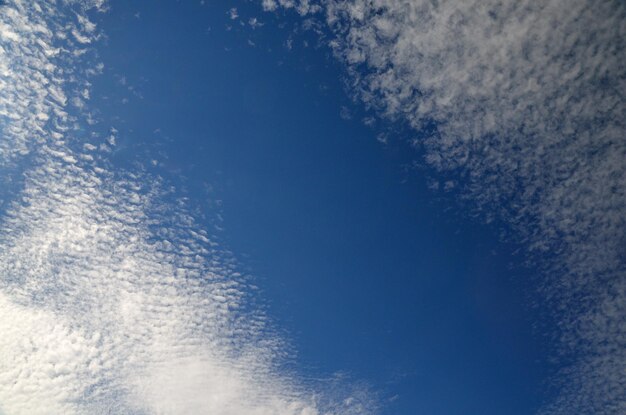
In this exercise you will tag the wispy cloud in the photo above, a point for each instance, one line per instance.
(529, 102)
(112, 298)
(233, 14)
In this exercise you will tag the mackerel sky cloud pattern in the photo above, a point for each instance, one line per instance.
(112, 298)
(528, 99)
(528, 102)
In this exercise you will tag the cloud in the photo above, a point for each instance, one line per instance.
(113, 299)
(104, 305)
(528, 100)
(303, 7)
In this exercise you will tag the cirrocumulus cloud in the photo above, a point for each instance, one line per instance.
(527, 100)
(113, 299)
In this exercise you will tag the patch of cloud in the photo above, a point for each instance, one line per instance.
(113, 299)
(528, 99)
(345, 113)
(104, 308)
(233, 14)
(303, 7)
(37, 63)
(254, 22)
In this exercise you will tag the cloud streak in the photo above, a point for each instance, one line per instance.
(528, 100)
(112, 298)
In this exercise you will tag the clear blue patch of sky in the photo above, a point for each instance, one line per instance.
(366, 269)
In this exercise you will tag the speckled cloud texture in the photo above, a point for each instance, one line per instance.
(528, 100)
(112, 299)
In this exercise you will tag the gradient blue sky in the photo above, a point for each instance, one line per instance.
(368, 271)
(325, 207)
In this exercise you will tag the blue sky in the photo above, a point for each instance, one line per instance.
(244, 192)
(356, 258)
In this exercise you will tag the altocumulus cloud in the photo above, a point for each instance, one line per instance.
(113, 300)
(528, 100)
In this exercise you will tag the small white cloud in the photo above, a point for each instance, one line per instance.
(345, 113)
(254, 23)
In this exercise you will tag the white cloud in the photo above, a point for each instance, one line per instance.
(528, 99)
(113, 300)
(103, 305)
(32, 82)
(303, 7)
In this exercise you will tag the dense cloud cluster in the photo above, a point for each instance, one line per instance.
(528, 101)
(112, 298)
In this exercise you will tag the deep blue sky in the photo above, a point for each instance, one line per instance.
(365, 269)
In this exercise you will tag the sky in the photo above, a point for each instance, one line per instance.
(312, 207)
